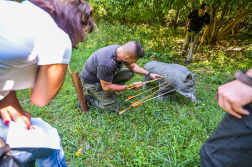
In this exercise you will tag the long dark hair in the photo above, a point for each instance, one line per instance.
(72, 16)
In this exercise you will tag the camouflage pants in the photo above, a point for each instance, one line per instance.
(194, 44)
(107, 100)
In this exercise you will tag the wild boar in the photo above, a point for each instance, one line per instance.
(179, 76)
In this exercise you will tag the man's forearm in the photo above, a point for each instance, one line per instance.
(139, 70)
(115, 88)
(187, 21)
(110, 87)
(205, 31)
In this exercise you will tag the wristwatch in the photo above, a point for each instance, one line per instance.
(148, 73)
(243, 77)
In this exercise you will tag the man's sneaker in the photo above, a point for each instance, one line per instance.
(188, 62)
(183, 54)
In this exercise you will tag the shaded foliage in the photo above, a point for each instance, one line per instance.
(227, 17)
(127, 12)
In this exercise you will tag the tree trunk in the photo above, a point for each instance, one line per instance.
(176, 18)
(236, 20)
(233, 20)
(212, 28)
(214, 12)
(250, 29)
(241, 26)
(225, 11)
(188, 9)
(223, 26)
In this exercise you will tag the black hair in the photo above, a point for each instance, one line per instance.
(203, 6)
(139, 50)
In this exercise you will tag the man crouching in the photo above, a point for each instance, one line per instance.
(103, 73)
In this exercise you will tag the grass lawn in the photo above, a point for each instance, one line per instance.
(157, 133)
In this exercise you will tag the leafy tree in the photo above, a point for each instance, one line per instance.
(127, 12)
(228, 18)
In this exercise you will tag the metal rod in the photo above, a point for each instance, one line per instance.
(133, 86)
(142, 100)
(153, 93)
(120, 112)
(155, 97)
(132, 97)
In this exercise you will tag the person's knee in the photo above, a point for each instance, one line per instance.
(123, 76)
(186, 44)
(131, 75)
(114, 107)
(127, 75)
(202, 155)
(205, 161)
(202, 151)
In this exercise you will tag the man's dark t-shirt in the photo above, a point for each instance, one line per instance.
(102, 64)
(196, 22)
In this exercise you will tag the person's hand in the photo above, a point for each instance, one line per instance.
(10, 109)
(21, 117)
(233, 95)
(202, 39)
(185, 30)
(138, 85)
(155, 76)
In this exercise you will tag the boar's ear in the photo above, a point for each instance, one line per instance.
(187, 77)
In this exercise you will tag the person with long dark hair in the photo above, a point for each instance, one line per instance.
(36, 41)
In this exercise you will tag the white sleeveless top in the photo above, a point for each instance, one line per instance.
(29, 37)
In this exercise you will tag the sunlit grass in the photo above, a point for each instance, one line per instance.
(157, 133)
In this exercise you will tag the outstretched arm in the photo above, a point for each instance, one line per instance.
(109, 87)
(205, 31)
(135, 68)
(234, 95)
(187, 22)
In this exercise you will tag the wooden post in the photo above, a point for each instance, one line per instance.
(79, 90)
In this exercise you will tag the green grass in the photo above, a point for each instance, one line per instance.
(157, 133)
